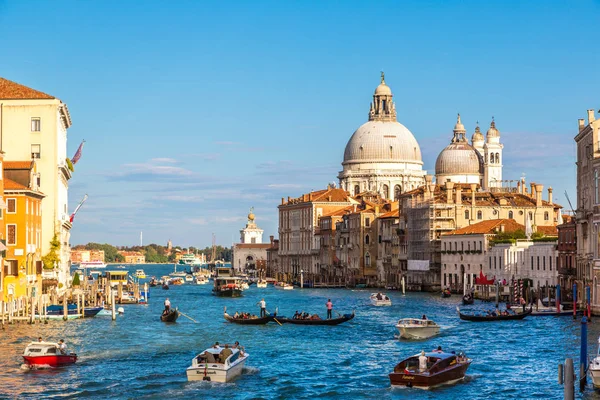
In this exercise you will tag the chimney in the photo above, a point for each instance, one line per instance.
(449, 187)
(310, 196)
(288, 199)
(355, 208)
(473, 189)
(501, 227)
(458, 194)
(538, 195)
(271, 239)
(550, 195)
(581, 123)
(428, 179)
(532, 194)
(591, 117)
(282, 200)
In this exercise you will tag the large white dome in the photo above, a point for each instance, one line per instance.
(379, 141)
(459, 158)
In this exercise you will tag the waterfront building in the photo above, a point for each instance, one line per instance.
(567, 252)
(299, 246)
(23, 223)
(333, 271)
(81, 255)
(272, 267)
(588, 208)
(34, 126)
(251, 252)
(390, 237)
(476, 249)
(133, 257)
(382, 155)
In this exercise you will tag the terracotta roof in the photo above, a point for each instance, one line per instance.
(326, 195)
(12, 185)
(488, 227)
(11, 90)
(390, 214)
(252, 245)
(338, 212)
(18, 164)
(547, 230)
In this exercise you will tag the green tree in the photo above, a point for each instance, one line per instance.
(51, 259)
(76, 281)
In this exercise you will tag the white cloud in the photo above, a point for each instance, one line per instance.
(164, 160)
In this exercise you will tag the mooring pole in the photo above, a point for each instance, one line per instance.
(583, 355)
(558, 298)
(588, 296)
(569, 393)
(574, 300)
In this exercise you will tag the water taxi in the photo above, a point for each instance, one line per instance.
(189, 278)
(261, 284)
(428, 370)
(225, 284)
(201, 280)
(217, 364)
(594, 368)
(140, 274)
(413, 328)
(46, 353)
(380, 299)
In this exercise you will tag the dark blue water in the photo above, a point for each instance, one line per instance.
(139, 357)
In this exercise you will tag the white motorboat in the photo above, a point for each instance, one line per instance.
(244, 285)
(140, 274)
(413, 328)
(261, 284)
(209, 366)
(594, 368)
(380, 299)
(189, 278)
(201, 280)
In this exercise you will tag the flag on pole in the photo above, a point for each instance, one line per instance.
(77, 155)
(72, 217)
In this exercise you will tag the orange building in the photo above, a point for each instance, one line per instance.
(133, 257)
(23, 230)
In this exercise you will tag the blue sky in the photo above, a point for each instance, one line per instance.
(193, 111)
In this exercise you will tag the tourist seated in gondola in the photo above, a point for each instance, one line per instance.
(296, 315)
(315, 316)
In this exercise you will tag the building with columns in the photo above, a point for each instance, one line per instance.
(382, 155)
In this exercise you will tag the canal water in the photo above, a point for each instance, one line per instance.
(138, 357)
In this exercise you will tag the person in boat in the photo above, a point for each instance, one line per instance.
(225, 353)
(523, 303)
(62, 347)
(236, 315)
(315, 316)
(40, 339)
(167, 305)
(236, 345)
(439, 349)
(216, 345)
(424, 317)
(329, 305)
(207, 357)
(296, 315)
(378, 296)
(422, 361)
(263, 308)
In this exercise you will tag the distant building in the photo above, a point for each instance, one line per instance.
(34, 125)
(133, 257)
(567, 253)
(79, 256)
(272, 266)
(251, 253)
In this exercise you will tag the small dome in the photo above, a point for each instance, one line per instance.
(251, 217)
(376, 141)
(477, 136)
(383, 90)
(493, 132)
(459, 127)
(459, 158)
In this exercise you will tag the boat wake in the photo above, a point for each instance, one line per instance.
(28, 367)
(251, 370)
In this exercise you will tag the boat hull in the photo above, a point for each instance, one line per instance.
(228, 293)
(51, 360)
(426, 381)
(249, 321)
(333, 321)
(595, 374)
(381, 303)
(417, 333)
(170, 317)
(215, 372)
(482, 318)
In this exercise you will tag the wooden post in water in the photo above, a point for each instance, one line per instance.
(65, 307)
(78, 305)
(112, 301)
(32, 320)
(569, 392)
(146, 295)
(120, 292)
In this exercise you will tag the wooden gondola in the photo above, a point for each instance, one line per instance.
(250, 321)
(170, 317)
(333, 321)
(468, 300)
(487, 318)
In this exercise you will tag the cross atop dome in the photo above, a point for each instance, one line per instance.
(382, 107)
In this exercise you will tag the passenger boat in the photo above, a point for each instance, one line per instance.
(171, 316)
(208, 365)
(261, 284)
(189, 278)
(380, 299)
(488, 317)
(140, 274)
(594, 368)
(319, 321)
(92, 264)
(225, 284)
(253, 320)
(47, 353)
(413, 328)
(440, 369)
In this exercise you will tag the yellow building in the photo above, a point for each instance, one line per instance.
(34, 125)
(133, 257)
(23, 227)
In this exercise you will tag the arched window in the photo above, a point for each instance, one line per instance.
(479, 215)
(367, 239)
(367, 260)
(546, 216)
(492, 158)
(397, 192)
(510, 215)
(356, 189)
(497, 158)
(466, 214)
(386, 192)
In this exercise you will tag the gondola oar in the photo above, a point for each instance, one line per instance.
(187, 316)
(275, 319)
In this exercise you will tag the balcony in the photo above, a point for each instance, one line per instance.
(566, 271)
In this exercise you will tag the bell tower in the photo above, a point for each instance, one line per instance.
(382, 107)
(492, 150)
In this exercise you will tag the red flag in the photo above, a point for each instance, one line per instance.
(77, 155)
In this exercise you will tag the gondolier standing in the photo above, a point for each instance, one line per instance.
(167, 305)
(263, 308)
(329, 305)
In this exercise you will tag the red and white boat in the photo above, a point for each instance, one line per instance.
(47, 353)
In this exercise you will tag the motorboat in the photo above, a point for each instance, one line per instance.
(180, 273)
(153, 282)
(140, 274)
(244, 285)
(380, 299)
(56, 312)
(284, 286)
(225, 284)
(170, 316)
(428, 370)
(177, 281)
(210, 366)
(189, 278)
(594, 368)
(47, 353)
(542, 310)
(496, 315)
(261, 284)
(201, 280)
(414, 328)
